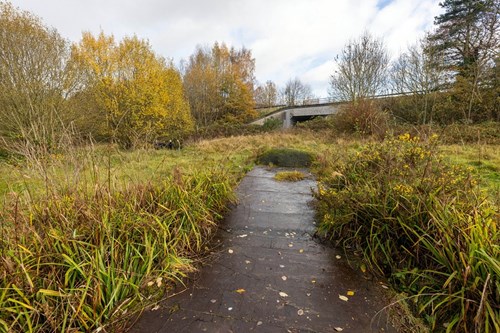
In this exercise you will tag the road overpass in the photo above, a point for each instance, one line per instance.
(290, 115)
(311, 108)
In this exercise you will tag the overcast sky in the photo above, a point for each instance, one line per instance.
(288, 38)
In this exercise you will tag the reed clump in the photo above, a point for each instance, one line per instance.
(424, 224)
(79, 261)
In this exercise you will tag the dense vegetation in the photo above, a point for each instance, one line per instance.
(421, 222)
(92, 232)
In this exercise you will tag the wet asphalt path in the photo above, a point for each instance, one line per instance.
(270, 275)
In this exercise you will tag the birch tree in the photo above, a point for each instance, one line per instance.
(361, 69)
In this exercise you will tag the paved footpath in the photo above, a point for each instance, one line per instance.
(270, 275)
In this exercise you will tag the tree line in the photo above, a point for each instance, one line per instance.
(121, 90)
(452, 74)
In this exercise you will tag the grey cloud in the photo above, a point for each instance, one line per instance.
(288, 38)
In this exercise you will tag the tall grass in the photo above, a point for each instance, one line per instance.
(79, 258)
(424, 224)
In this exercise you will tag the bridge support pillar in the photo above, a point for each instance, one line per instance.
(287, 122)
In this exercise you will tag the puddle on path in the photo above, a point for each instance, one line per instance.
(270, 275)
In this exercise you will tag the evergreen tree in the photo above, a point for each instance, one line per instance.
(467, 37)
(467, 33)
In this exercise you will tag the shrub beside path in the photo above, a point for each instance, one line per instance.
(269, 275)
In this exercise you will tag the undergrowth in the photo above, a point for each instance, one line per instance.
(422, 223)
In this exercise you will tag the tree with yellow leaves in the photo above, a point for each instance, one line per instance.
(138, 95)
(218, 83)
(35, 81)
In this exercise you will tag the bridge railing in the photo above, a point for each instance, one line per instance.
(331, 100)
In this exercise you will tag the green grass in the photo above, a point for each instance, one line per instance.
(484, 159)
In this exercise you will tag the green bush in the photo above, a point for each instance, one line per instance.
(272, 124)
(285, 157)
(424, 225)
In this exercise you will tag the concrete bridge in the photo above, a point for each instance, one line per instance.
(290, 115)
(311, 108)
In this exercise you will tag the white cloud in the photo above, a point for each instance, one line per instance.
(288, 38)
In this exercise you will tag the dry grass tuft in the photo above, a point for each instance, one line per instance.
(289, 176)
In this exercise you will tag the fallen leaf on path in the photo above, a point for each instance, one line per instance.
(338, 329)
(213, 301)
(259, 323)
(344, 298)
(338, 257)
(240, 291)
(283, 278)
(313, 281)
(301, 250)
(247, 262)
(350, 293)
(282, 294)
